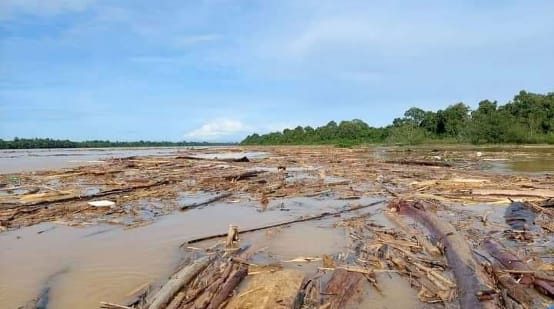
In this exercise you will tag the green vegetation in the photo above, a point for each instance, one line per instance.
(528, 118)
(28, 143)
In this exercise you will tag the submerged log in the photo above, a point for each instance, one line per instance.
(470, 278)
(343, 286)
(177, 281)
(510, 261)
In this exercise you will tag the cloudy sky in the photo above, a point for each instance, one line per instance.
(220, 69)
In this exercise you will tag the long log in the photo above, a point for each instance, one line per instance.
(470, 278)
(177, 281)
(419, 162)
(208, 201)
(315, 217)
(241, 159)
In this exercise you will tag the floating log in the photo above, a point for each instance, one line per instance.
(243, 176)
(342, 287)
(320, 216)
(208, 201)
(513, 289)
(241, 159)
(538, 193)
(420, 162)
(470, 278)
(510, 261)
(177, 281)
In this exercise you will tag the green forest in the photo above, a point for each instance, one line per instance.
(29, 143)
(527, 118)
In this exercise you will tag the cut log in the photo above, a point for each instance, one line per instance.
(232, 236)
(269, 290)
(471, 279)
(177, 281)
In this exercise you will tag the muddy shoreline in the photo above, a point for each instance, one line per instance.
(335, 227)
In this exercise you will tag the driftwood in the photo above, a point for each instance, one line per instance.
(512, 288)
(102, 193)
(316, 217)
(510, 261)
(208, 201)
(177, 281)
(470, 277)
(539, 193)
(420, 162)
(241, 159)
(243, 176)
(229, 286)
(342, 287)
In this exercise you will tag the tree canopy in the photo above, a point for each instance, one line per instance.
(527, 118)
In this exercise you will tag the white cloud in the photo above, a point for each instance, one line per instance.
(218, 130)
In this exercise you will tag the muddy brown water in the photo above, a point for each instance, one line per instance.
(79, 267)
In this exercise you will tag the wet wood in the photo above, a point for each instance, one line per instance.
(470, 277)
(229, 286)
(309, 218)
(419, 162)
(343, 287)
(214, 199)
(176, 282)
(508, 259)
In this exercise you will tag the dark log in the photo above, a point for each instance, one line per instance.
(343, 286)
(513, 289)
(508, 259)
(512, 262)
(243, 176)
(471, 279)
(420, 162)
(229, 286)
(208, 201)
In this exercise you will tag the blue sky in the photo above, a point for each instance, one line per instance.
(218, 70)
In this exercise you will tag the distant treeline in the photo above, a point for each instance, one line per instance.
(28, 143)
(528, 118)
